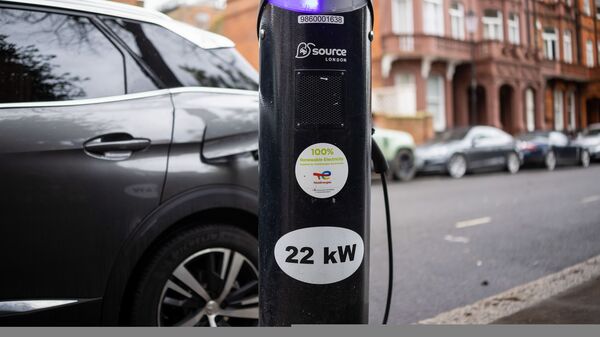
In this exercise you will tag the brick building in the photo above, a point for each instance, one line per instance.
(537, 63)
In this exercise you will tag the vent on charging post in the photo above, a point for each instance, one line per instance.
(319, 99)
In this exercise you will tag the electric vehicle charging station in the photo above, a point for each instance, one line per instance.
(314, 161)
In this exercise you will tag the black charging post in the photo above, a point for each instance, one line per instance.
(315, 153)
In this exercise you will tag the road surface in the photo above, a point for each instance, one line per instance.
(459, 241)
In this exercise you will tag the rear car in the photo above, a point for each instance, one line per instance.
(398, 148)
(129, 174)
(590, 140)
(468, 149)
(550, 149)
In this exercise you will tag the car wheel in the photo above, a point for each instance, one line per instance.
(204, 276)
(403, 166)
(513, 163)
(550, 161)
(457, 166)
(585, 158)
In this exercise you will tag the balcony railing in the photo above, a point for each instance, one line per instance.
(554, 68)
(410, 46)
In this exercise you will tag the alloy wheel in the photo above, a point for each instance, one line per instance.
(457, 167)
(585, 159)
(550, 161)
(513, 163)
(214, 287)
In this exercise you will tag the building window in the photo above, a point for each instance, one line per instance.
(571, 110)
(514, 35)
(402, 16)
(529, 110)
(586, 7)
(457, 20)
(436, 104)
(492, 25)
(589, 53)
(407, 94)
(598, 52)
(559, 118)
(568, 46)
(598, 9)
(550, 43)
(433, 17)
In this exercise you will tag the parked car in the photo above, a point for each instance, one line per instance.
(398, 148)
(460, 150)
(552, 148)
(129, 175)
(590, 139)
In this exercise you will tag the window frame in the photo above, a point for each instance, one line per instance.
(551, 39)
(589, 54)
(568, 46)
(439, 117)
(397, 20)
(457, 15)
(558, 107)
(439, 28)
(514, 24)
(495, 22)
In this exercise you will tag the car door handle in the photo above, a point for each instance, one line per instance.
(115, 146)
(133, 145)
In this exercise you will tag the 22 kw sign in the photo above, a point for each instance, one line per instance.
(320, 255)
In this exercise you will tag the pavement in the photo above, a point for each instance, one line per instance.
(580, 305)
(462, 242)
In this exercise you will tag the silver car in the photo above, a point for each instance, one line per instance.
(129, 169)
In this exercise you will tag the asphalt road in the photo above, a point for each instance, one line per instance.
(459, 241)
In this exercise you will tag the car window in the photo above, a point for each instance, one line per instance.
(451, 135)
(534, 136)
(138, 80)
(179, 62)
(55, 57)
(592, 132)
(558, 139)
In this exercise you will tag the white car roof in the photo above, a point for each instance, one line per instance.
(200, 37)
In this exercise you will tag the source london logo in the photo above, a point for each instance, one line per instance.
(322, 177)
(306, 49)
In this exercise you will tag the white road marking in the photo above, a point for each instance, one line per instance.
(521, 297)
(473, 222)
(590, 199)
(456, 239)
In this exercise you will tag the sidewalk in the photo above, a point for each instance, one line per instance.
(580, 305)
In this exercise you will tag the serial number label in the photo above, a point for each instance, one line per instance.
(331, 19)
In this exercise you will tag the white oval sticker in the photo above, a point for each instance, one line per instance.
(322, 170)
(320, 255)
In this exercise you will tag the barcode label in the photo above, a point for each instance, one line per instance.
(330, 19)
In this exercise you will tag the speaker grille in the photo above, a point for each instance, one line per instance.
(319, 99)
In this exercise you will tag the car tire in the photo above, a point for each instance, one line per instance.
(585, 159)
(457, 166)
(203, 276)
(513, 163)
(550, 160)
(403, 166)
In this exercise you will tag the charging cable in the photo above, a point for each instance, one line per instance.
(380, 166)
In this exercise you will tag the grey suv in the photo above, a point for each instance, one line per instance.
(128, 169)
